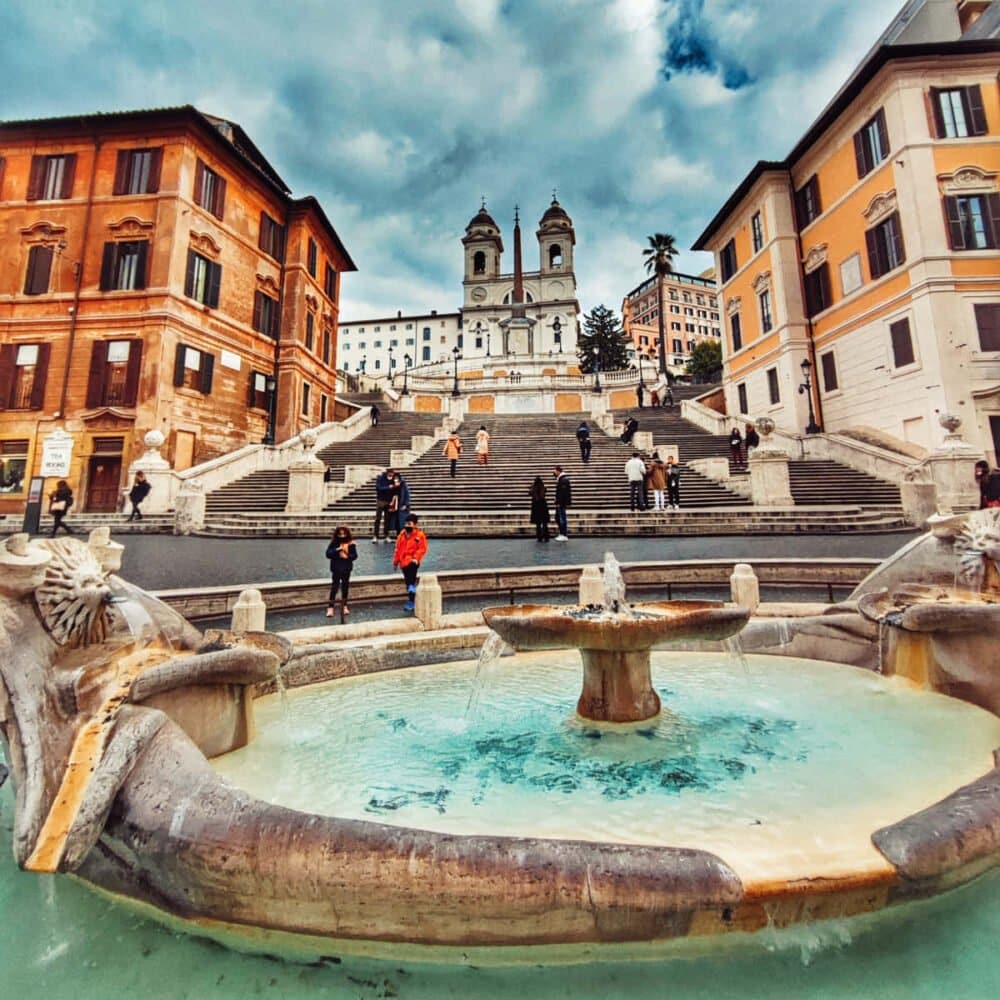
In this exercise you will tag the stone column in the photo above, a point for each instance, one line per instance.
(306, 490)
(952, 469)
(428, 602)
(591, 586)
(189, 514)
(161, 478)
(769, 482)
(745, 587)
(249, 612)
(108, 553)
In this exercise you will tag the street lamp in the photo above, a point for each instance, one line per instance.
(392, 365)
(456, 354)
(642, 382)
(597, 369)
(557, 334)
(806, 387)
(406, 369)
(271, 386)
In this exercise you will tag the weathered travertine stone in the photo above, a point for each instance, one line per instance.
(428, 601)
(744, 587)
(249, 612)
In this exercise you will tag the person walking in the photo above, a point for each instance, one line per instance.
(383, 499)
(375, 414)
(483, 446)
(540, 509)
(640, 394)
(583, 438)
(635, 473)
(564, 500)
(411, 547)
(138, 493)
(341, 552)
(60, 501)
(451, 450)
(736, 446)
(673, 483)
(657, 482)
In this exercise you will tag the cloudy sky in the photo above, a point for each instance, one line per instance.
(398, 115)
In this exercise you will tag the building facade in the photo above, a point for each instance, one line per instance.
(388, 345)
(156, 275)
(691, 307)
(867, 264)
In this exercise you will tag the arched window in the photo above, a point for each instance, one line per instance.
(555, 255)
(479, 262)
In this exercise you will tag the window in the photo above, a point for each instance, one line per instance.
(13, 463)
(209, 190)
(555, 255)
(36, 278)
(272, 237)
(479, 262)
(203, 280)
(425, 354)
(427, 333)
(312, 253)
(958, 112)
(330, 282)
(677, 346)
(756, 232)
(324, 406)
(737, 330)
(306, 399)
(23, 370)
(326, 347)
(260, 398)
(265, 315)
(902, 343)
(766, 319)
(193, 369)
(828, 366)
(741, 397)
(973, 221)
(871, 144)
(773, 391)
(124, 266)
(114, 373)
(885, 246)
(818, 296)
(727, 260)
(310, 323)
(807, 202)
(51, 177)
(988, 325)
(138, 171)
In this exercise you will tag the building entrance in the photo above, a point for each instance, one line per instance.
(104, 483)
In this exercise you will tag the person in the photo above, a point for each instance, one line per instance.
(399, 505)
(635, 472)
(138, 493)
(631, 426)
(640, 394)
(992, 493)
(540, 509)
(411, 547)
(341, 552)
(654, 398)
(982, 476)
(583, 437)
(564, 499)
(60, 501)
(657, 481)
(451, 450)
(751, 439)
(673, 483)
(736, 446)
(483, 445)
(383, 498)
(375, 414)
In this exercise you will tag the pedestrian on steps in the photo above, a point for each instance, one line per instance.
(564, 500)
(657, 481)
(635, 472)
(583, 438)
(383, 500)
(483, 446)
(452, 449)
(736, 446)
(673, 483)
(341, 552)
(60, 501)
(631, 426)
(640, 394)
(540, 509)
(411, 547)
(751, 439)
(138, 493)
(375, 414)
(399, 505)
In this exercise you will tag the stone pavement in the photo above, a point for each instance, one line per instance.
(164, 562)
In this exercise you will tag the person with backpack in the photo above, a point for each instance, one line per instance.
(583, 438)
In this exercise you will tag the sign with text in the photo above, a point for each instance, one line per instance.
(57, 451)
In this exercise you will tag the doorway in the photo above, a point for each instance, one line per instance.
(104, 483)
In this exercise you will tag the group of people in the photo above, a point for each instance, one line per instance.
(660, 395)
(652, 483)
(61, 499)
(540, 516)
(453, 449)
(392, 504)
(740, 445)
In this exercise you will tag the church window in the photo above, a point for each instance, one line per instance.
(555, 255)
(479, 262)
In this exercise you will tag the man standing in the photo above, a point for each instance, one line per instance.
(564, 499)
(411, 547)
(635, 473)
(583, 437)
(383, 500)
(673, 483)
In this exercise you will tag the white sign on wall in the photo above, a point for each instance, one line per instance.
(57, 451)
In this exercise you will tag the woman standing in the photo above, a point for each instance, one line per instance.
(540, 510)
(341, 552)
(658, 482)
(483, 446)
(138, 493)
(736, 446)
(60, 501)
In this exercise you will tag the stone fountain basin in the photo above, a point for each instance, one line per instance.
(922, 608)
(539, 627)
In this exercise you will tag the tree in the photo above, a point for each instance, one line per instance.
(659, 260)
(602, 329)
(705, 361)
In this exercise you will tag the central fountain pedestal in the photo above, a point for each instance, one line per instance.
(617, 687)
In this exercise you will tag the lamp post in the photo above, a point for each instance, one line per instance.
(597, 369)
(812, 427)
(407, 361)
(271, 386)
(557, 334)
(642, 381)
(392, 365)
(456, 354)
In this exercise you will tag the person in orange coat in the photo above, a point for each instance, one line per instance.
(452, 449)
(411, 547)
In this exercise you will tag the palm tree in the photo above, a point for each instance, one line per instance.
(659, 260)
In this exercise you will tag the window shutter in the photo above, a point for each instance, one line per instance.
(98, 373)
(142, 264)
(973, 99)
(155, 169)
(207, 368)
(883, 133)
(69, 172)
(36, 280)
(987, 323)
(873, 261)
(199, 181)
(859, 154)
(936, 116)
(251, 394)
(895, 233)
(214, 284)
(953, 222)
(8, 358)
(121, 171)
(108, 266)
(41, 373)
(993, 201)
(36, 178)
(189, 276)
(220, 198)
(262, 236)
(132, 372)
(179, 364)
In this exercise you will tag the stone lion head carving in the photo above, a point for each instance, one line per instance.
(73, 596)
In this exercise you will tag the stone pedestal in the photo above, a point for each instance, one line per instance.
(919, 501)
(745, 587)
(108, 553)
(617, 686)
(769, 482)
(306, 489)
(643, 441)
(189, 514)
(428, 602)
(249, 612)
(591, 586)
(161, 478)
(952, 469)
(598, 406)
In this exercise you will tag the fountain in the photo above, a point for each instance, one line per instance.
(111, 705)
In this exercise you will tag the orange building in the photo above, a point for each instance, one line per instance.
(873, 251)
(156, 274)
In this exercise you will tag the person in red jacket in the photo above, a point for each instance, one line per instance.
(411, 547)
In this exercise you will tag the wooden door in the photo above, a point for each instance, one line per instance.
(104, 483)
